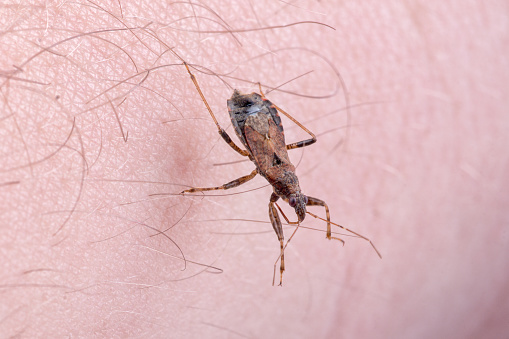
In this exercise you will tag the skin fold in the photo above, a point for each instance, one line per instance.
(102, 127)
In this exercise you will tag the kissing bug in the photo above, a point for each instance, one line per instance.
(258, 126)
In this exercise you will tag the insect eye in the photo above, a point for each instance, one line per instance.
(292, 201)
(305, 200)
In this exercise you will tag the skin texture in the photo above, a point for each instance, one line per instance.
(421, 170)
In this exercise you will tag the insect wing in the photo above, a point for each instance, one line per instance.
(237, 122)
(268, 150)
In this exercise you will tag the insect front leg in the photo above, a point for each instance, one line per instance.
(220, 130)
(317, 202)
(231, 184)
(278, 228)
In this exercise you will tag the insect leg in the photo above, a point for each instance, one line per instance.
(276, 224)
(346, 229)
(317, 202)
(302, 143)
(298, 144)
(221, 131)
(231, 184)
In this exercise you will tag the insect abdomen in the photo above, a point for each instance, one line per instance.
(241, 106)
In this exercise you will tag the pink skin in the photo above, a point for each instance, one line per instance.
(424, 173)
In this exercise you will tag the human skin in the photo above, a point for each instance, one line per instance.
(420, 167)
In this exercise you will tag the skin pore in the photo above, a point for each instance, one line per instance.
(100, 124)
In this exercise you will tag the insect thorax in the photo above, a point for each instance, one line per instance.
(285, 183)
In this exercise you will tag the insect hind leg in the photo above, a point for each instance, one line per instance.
(302, 143)
(298, 144)
(220, 130)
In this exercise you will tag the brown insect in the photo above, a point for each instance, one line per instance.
(259, 128)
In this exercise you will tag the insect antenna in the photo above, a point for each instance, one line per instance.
(348, 230)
